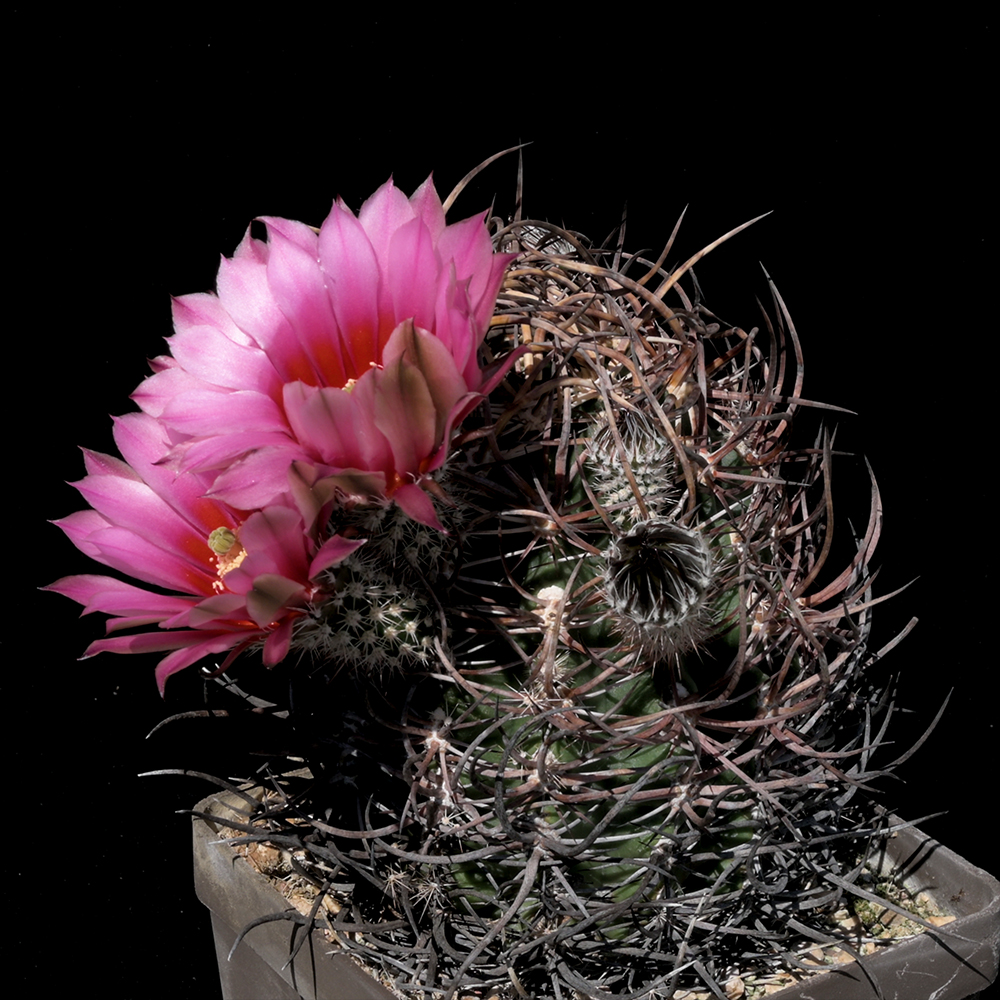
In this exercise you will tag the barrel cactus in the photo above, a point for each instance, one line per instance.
(546, 590)
(604, 735)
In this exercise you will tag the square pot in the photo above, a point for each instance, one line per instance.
(952, 962)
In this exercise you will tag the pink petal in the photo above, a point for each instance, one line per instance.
(98, 464)
(245, 294)
(219, 411)
(257, 479)
(299, 288)
(157, 391)
(381, 215)
(334, 551)
(338, 427)
(415, 271)
(272, 594)
(422, 350)
(468, 245)
(136, 555)
(405, 414)
(105, 593)
(185, 657)
(144, 642)
(278, 643)
(415, 503)
(204, 455)
(352, 285)
(221, 354)
(79, 528)
(133, 507)
(142, 441)
(275, 542)
(428, 208)
(218, 611)
(201, 312)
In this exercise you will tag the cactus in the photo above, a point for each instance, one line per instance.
(604, 738)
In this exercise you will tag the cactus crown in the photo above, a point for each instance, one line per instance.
(620, 712)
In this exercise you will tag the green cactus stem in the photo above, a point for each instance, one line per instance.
(628, 711)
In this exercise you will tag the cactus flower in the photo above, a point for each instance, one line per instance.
(351, 351)
(235, 578)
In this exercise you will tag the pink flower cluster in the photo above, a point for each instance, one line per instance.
(330, 367)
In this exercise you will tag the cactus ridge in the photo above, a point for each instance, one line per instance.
(635, 750)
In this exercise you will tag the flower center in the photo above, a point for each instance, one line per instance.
(229, 553)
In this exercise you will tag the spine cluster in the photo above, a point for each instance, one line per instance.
(646, 453)
(379, 613)
(657, 584)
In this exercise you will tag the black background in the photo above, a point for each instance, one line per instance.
(142, 151)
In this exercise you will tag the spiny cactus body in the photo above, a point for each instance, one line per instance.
(627, 699)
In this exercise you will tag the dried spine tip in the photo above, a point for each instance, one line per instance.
(656, 584)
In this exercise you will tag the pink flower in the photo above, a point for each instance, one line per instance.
(351, 351)
(238, 578)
